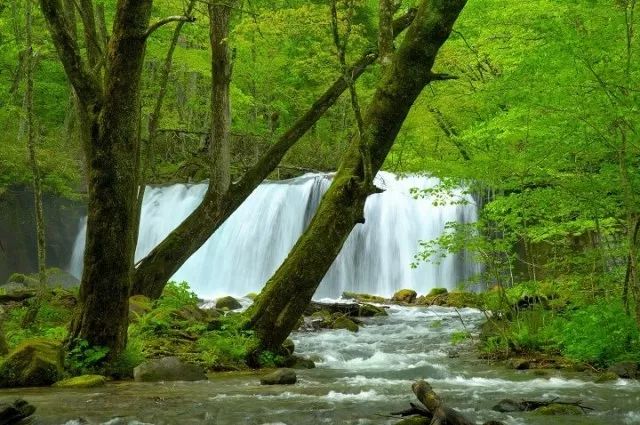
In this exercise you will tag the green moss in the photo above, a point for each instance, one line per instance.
(33, 363)
(559, 409)
(344, 322)
(365, 298)
(415, 420)
(434, 292)
(405, 296)
(459, 299)
(84, 381)
(607, 377)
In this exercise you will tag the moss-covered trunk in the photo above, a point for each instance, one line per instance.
(164, 260)
(109, 114)
(289, 291)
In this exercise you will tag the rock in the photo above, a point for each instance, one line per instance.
(365, 298)
(16, 412)
(519, 364)
(626, 370)
(507, 405)
(191, 313)
(434, 292)
(84, 381)
(369, 310)
(460, 299)
(33, 363)
(229, 303)
(280, 377)
(288, 347)
(302, 363)
(405, 296)
(415, 420)
(344, 323)
(252, 296)
(168, 369)
(559, 409)
(139, 305)
(607, 377)
(60, 279)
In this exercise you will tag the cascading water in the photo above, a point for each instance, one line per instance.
(253, 242)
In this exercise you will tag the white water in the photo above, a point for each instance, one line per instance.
(249, 247)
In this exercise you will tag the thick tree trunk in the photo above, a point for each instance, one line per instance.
(289, 291)
(164, 260)
(109, 117)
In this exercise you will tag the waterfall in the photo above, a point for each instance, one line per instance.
(253, 242)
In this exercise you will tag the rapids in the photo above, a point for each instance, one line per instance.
(360, 378)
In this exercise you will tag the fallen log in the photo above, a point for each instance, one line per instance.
(435, 410)
(15, 413)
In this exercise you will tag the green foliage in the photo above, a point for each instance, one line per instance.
(176, 295)
(600, 334)
(83, 358)
(132, 356)
(459, 337)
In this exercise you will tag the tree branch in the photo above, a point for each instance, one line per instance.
(166, 21)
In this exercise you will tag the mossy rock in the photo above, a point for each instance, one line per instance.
(17, 278)
(84, 381)
(559, 409)
(345, 323)
(405, 296)
(366, 298)
(434, 292)
(607, 377)
(415, 420)
(368, 310)
(33, 363)
(322, 314)
(288, 347)
(191, 313)
(139, 305)
(460, 299)
(252, 296)
(228, 303)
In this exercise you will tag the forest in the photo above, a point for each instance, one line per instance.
(328, 211)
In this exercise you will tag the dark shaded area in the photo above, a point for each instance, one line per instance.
(18, 230)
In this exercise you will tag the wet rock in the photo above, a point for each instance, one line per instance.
(626, 370)
(84, 381)
(16, 412)
(168, 369)
(288, 347)
(507, 405)
(344, 323)
(252, 296)
(365, 298)
(229, 303)
(302, 363)
(34, 363)
(368, 310)
(559, 409)
(607, 377)
(405, 296)
(434, 292)
(280, 377)
(519, 364)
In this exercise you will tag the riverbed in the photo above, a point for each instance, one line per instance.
(360, 378)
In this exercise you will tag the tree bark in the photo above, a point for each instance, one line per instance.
(287, 294)
(34, 306)
(164, 260)
(109, 115)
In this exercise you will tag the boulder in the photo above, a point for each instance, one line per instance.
(344, 323)
(519, 364)
(288, 347)
(229, 303)
(507, 406)
(168, 369)
(33, 363)
(16, 412)
(461, 299)
(301, 363)
(84, 381)
(369, 310)
(251, 296)
(280, 377)
(559, 409)
(407, 296)
(626, 370)
(607, 377)
(434, 292)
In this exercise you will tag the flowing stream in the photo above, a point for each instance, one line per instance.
(249, 247)
(360, 378)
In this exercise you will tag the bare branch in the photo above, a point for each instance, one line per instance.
(166, 21)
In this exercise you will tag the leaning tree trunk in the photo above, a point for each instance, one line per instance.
(153, 271)
(287, 294)
(108, 111)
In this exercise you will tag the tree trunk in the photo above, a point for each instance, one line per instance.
(34, 306)
(109, 115)
(164, 260)
(287, 294)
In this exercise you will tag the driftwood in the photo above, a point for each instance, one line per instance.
(435, 410)
(18, 412)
